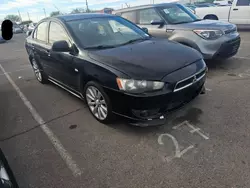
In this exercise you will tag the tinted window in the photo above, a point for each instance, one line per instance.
(243, 2)
(41, 31)
(147, 15)
(131, 16)
(175, 14)
(56, 33)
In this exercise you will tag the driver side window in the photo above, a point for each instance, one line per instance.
(57, 33)
(147, 15)
(118, 27)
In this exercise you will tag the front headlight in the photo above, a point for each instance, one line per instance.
(209, 34)
(138, 86)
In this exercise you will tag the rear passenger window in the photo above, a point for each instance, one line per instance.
(131, 16)
(147, 15)
(40, 32)
(243, 3)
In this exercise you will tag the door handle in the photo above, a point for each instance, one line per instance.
(235, 9)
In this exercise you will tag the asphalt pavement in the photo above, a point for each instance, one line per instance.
(51, 140)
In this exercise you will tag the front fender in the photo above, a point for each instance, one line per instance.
(186, 42)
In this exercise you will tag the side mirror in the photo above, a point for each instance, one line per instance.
(61, 46)
(28, 33)
(145, 29)
(157, 22)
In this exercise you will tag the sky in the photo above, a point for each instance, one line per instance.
(37, 9)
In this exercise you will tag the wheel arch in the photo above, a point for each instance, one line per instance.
(211, 17)
(100, 73)
(188, 43)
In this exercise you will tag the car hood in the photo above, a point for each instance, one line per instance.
(151, 59)
(205, 24)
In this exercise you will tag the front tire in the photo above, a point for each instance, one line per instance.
(98, 102)
(39, 73)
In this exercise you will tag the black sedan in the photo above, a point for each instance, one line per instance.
(117, 67)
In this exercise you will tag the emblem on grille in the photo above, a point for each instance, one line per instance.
(194, 79)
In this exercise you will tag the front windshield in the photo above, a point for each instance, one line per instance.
(109, 31)
(176, 14)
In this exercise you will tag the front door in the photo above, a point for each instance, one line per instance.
(63, 63)
(240, 13)
(145, 16)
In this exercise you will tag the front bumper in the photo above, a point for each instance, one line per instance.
(228, 49)
(150, 111)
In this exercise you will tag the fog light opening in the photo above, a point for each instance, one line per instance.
(146, 114)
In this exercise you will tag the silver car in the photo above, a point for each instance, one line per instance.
(212, 38)
(17, 29)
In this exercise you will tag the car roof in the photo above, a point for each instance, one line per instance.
(71, 17)
(143, 7)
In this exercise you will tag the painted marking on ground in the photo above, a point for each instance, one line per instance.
(178, 152)
(240, 57)
(52, 137)
(245, 74)
(194, 129)
(16, 71)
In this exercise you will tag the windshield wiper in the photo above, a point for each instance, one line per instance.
(188, 21)
(183, 22)
(134, 40)
(100, 47)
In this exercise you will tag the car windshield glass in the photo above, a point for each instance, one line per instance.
(105, 32)
(176, 14)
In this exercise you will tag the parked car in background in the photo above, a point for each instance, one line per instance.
(205, 5)
(31, 26)
(191, 6)
(223, 2)
(214, 39)
(17, 29)
(115, 66)
(238, 13)
(1, 39)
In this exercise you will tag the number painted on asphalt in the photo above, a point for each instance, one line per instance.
(178, 152)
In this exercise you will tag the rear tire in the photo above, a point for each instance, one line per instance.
(98, 102)
(39, 73)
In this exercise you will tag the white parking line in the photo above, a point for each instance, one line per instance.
(245, 42)
(240, 57)
(52, 137)
(16, 71)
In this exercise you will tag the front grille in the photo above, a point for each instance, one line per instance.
(182, 98)
(190, 80)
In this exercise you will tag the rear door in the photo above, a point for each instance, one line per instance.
(146, 16)
(240, 12)
(40, 46)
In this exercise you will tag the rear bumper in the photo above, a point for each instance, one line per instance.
(153, 110)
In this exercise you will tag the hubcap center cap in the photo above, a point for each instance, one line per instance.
(97, 102)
